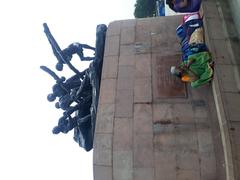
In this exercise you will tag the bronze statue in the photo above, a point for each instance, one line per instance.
(78, 95)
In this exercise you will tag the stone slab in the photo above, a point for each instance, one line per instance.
(165, 85)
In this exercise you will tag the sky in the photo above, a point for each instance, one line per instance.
(28, 149)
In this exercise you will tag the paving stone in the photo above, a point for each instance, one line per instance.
(112, 46)
(143, 150)
(125, 83)
(208, 166)
(186, 138)
(114, 28)
(124, 103)
(227, 78)
(123, 134)
(210, 9)
(162, 113)
(234, 131)
(165, 141)
(165, 47)
(142, 47)
(143, 173)
(165, 166)
(143, 31)
(183, 113)
(143, 66)
(232, 106)
(107, 91)
(200, 113)
(127, 60)
(188, 175)
(128, 35)
(122, 165)
(129, 23)
(110, 67)
(126, 72)
(103, 149)
(105, 115)
(128, 49)
(142, 121)
(142, 90)
(205, 140)
(221, 53)
(215, 28)
(188, 161)
(102, 172)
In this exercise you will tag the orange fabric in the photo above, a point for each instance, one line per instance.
(186, 78)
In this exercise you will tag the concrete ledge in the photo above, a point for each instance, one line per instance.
(217, 86)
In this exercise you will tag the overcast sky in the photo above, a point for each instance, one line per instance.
(28, 149)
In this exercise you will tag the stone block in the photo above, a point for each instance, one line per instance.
(143, 66)
(227, 78)
(208, 166)
(125, 83)
(123, 134)
(173, 113)
(165, 85)
(128, 35)
(122, 165)
(143, 151)
(142, 90)
(129, 23)
(186, 138)
(143, 32)
(142, 121)
(215, 28)
(210, 9)
(126, 72)
(102, 172)
(143, 173)
(163, 113)
(128, 49)
(114, 28)
(107, 91)
(165, 165)
(166, 140)
(234, 131)
(205, 140)
(220, 51)
(102, 149)
(105, 115)
(124, 103)
(110, 67)
(142, 47)
(112, 46)
(232, 105)
(127, 60)
(188, 175)
(188, 161)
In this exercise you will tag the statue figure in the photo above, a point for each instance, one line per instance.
(78, 95)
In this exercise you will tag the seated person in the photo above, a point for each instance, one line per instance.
(197, 70)
(184, 6)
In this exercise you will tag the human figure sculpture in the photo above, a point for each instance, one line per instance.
(78, 95)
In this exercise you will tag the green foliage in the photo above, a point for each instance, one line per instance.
(145, 8)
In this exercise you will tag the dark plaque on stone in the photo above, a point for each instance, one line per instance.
(164, 84)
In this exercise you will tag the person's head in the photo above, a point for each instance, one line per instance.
(51, 97)
(170, 3)
(59, 66)
(176, 71)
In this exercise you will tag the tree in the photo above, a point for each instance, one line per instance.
(144, 8)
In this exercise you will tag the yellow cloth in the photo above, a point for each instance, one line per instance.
(197, 36)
